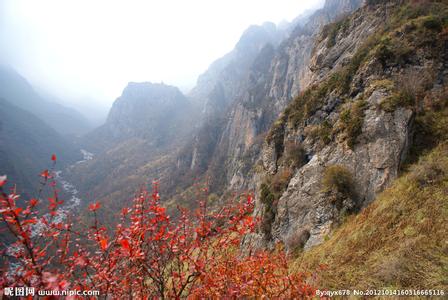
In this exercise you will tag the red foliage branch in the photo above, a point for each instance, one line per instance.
(147, 255)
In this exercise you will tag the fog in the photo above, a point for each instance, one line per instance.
(84, 52)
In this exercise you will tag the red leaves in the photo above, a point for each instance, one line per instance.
(103, 244)
(197, 255)
(3, 180)
(125, 245)
(18, 210)
(45, 174)
(94, 206)
(30, 221)
(33, 202)
(159, 210)
(124, 211)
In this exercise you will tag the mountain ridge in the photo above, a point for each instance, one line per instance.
(17, 90)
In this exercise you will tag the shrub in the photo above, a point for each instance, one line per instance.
(330, 31)
(397, 99)
(305, 104)
(432, 23)
(429, 171)
(212, 198)
(351, 120)
(266, 222)
(384, 52)
(322, 132)
(280, 181)
(146, 255)
(270, 192)
(266, 196)
(276, 134)
(337, 178)
(294, 155)
(410, 87)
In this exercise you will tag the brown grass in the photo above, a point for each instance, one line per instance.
(398, 241)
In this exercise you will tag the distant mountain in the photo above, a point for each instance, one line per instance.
(227, 72)
(17, 90)
(151, 112)
(26, 146)
(139, 141)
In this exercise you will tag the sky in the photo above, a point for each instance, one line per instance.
(88, 50)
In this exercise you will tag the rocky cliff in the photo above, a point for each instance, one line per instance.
(344, 138)
(227, 146)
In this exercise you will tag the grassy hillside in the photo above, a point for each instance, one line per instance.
(398, 241)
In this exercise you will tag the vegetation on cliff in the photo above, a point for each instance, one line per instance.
(398, 241)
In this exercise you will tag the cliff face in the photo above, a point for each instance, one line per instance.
(343, 139)
(218, 89)
(228, 144)
(220, 85)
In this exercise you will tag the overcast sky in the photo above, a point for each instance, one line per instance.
(79, 49)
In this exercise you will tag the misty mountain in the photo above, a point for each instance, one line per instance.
(233, 104)
(17, 90)
(142, 112)
(139, 141)
(225, 74)
(26, 146)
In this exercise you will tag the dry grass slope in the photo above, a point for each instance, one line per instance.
(398, 241)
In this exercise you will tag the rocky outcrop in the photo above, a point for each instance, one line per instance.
(353, 124)
(219, 89)
(264, 78)
(374, 163)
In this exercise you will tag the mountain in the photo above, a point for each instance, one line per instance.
(240, 106)
(339, 126)
(375, 101)
(144, 130)
(15, 89)
(232, 106)
(225, 74)
(141, 112)
(154, 125)
(26, 146)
